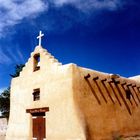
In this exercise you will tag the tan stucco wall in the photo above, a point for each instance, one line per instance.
(3, 128)
(74, 112)
(107, 120)
(56, 92)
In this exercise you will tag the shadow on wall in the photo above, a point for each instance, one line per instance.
(126, 92)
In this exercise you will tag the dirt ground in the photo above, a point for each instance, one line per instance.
(132, 138)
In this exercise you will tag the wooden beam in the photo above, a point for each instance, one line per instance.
(87, 76)
(37, 110)
(95, 77)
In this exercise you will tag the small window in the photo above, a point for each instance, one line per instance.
(36, 62)
(36, 94)
(128, 94)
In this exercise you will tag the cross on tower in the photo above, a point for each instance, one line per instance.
(39, 37)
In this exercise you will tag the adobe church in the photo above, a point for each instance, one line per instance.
(51, 101)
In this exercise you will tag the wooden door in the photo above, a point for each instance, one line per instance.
(39, 128)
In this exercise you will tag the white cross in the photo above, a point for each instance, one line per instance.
(39, 37)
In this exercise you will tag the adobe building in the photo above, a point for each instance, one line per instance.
(3, 128)
(51, 101)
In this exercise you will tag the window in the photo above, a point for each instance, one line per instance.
(36, 62)
(36, 94)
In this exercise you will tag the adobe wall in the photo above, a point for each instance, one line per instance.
(3, 128)
(79, 108)
(55, 83)
(105, 111)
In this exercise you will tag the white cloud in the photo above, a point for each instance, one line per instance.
(86, 5)
(14, 11)
(8, 57)
(20, 55)
(4, 59)
(62, 2)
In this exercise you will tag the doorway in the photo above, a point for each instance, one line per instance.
(38, 126)
(38, 122)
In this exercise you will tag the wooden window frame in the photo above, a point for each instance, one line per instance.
(36, 94)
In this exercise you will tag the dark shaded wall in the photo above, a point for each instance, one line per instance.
(108, 104)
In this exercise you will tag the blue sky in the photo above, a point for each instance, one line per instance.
(103, 35)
